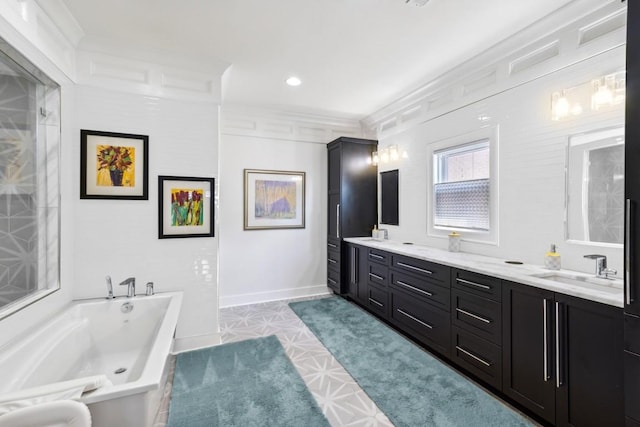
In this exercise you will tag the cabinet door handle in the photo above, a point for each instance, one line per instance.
(331, 280)
(411, 267)
(477, 285)
(376, 256)
(545, 342)
(379, 304)
(353, 265)
(475, 316)
(413, 318)
(331, 245)
(468, 353)
(375, 276)
(338, 220)
(627, 253)
(332, 261)
(558, 352)
(413, 288)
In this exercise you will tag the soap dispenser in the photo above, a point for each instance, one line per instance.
(552, 259)
(374, 232)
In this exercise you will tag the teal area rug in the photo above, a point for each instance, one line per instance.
(248, 383)
(411, 387)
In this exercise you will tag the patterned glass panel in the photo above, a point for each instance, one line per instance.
(29, 203)
(463, 204)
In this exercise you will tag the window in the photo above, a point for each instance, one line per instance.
(29, 187)
(462, 186)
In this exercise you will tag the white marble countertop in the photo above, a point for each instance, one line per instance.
(607, 291)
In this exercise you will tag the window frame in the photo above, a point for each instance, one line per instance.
(489, 134)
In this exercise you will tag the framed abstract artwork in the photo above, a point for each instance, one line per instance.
(273, 199)
(113, 165)
(186, 207)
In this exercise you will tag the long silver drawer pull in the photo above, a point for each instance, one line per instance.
(558, 361)
(413, 288)
(475, 316)
(332, 281)
(375, 276)
(477, 285)
(544, 341)
(375, 302)
(332, 261)
(411, 267)
(627, 254)
(413, 318)
(331, 245)
(376, 256)
(468, 353)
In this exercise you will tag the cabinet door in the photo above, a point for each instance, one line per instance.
(591, 371)
(334, 168)
(528, 348)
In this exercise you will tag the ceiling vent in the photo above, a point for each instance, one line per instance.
(417, 3)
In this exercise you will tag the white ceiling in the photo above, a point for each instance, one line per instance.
(353, 56)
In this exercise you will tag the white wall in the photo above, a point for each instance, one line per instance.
(263, 265)
(120, 238)
(531, 164)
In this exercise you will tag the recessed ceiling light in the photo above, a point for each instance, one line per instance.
(293, 81)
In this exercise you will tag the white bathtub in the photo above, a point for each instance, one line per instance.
(95, 337)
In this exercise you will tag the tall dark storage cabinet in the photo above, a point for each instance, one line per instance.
(632, 220)
(353, 196)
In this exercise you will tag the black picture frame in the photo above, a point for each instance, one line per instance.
(175, 220)
(104, 175)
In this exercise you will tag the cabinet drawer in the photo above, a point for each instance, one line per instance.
(632, 333)
(333, 244)
(381, 257)
(424, 322)
(333, 280)
(421, 268)
(377, 301)
(333, 260)
(377, 274)
(478, 284)
(481, 316)
(430, 292)
(478, 356)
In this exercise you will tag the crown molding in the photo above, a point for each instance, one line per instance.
(579, 30)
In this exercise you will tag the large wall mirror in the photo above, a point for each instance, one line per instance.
(29, 182)
(595, 187)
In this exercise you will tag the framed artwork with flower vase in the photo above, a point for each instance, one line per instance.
(114, 165)
(186, 207)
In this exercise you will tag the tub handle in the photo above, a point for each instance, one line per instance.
(150, 289)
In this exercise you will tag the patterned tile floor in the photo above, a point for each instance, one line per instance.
(341, 399)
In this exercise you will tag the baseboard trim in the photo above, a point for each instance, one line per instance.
(280, 294)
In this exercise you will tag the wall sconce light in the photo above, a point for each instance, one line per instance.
(563, 106)
(608, 90)
(386, 155)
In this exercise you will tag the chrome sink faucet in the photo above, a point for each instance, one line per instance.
(601, 266)
(131, 289)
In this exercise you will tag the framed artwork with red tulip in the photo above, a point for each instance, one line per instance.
(113, 165)
(186, 207)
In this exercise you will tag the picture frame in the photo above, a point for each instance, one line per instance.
(185, 207)
(114, 165)
(273, 199)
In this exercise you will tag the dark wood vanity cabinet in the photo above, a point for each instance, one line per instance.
(476, 318)
(352, 201)
(562, 356)
(420, 300)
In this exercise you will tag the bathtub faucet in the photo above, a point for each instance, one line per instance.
(109, 288)
(131, 283)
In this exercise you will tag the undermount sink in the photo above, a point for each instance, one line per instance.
(584, 281)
